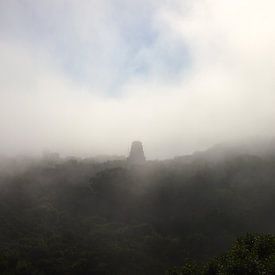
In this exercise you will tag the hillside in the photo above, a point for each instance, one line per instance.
(81, 217)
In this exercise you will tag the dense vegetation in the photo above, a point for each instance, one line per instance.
(81, 217)
(252, 254)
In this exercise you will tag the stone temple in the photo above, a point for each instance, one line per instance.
(136, 155)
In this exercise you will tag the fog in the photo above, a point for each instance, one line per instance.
(87, 79)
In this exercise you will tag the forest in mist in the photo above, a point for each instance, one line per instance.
(191, 84)
(207, 213)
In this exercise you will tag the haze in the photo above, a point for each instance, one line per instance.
(88, 78)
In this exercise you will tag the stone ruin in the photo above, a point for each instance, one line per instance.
(136, 155)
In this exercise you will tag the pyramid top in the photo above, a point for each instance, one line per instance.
(136, 155)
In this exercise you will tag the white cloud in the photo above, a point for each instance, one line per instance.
(227, 92)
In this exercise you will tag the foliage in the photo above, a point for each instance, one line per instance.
(251, 254)
(107, 218)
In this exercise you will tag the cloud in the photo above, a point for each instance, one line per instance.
(180, 76)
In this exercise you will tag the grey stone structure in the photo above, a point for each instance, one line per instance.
(136, 155)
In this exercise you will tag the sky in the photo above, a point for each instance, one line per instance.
(88, 77)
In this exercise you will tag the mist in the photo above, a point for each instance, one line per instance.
(137, 137)
(181, 75)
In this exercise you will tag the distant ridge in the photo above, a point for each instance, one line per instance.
(253, 147)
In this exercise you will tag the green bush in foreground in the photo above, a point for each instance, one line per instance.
(251, 254)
